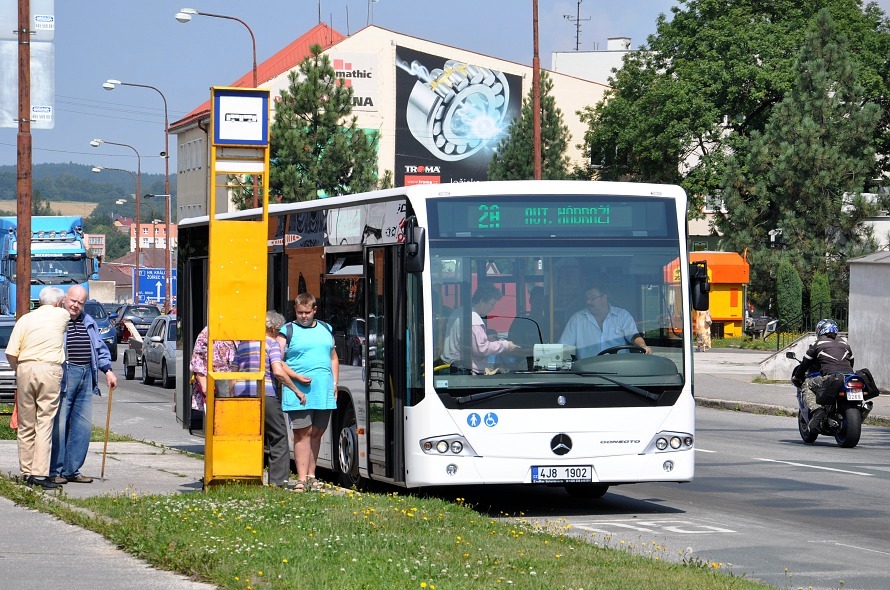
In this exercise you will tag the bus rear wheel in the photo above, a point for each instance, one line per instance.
(347, 449)
(587, 490)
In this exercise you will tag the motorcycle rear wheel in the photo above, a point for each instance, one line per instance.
(808, 436)
(851, 429)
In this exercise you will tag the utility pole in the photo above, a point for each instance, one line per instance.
(536, 93)
(23, 165)
(577, 20)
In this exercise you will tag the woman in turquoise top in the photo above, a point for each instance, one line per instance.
(307, 347)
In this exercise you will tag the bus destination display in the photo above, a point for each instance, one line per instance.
(496, 216)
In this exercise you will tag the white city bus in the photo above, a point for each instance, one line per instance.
(395, 270)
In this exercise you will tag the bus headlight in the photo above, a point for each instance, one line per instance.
(452, 444)
(670, 441)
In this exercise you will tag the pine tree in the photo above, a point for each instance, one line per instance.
(789, 295)
(804, 173)
(513, 159)
(820, 297)
(317, 149)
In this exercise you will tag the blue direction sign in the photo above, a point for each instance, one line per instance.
(151, 286)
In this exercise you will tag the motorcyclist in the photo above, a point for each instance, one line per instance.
(830, 354)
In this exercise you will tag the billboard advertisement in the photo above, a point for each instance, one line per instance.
(356, 70)
(450, 116)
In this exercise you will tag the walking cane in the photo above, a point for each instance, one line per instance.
(107, 424)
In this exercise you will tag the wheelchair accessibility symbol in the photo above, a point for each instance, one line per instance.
(490, 419)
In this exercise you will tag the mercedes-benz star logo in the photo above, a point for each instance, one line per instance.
(561, 444)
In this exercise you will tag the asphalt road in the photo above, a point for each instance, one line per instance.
(763, 504)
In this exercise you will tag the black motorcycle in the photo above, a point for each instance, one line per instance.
(845, 399)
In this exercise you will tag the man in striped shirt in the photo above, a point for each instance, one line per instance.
(73, 425)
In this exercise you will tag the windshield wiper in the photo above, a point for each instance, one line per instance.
(483, 395)
(655, 397)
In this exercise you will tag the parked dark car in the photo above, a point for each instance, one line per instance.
(7, 375)
(106, 329)
(139, 314)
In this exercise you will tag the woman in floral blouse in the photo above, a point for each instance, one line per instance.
(223, 357)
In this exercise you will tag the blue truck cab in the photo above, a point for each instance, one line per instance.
(59, 257)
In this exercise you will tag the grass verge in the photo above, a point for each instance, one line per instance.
(98, 434)
(247, 537)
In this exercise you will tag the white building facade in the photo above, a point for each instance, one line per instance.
(439, 111)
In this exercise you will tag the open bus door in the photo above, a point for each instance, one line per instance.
(386, 362)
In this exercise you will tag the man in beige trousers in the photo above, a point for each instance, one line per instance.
(36, 351)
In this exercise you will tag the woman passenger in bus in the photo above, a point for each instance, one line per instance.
(484, 300)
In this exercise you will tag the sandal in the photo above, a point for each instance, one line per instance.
(299, 487)
(315, 484)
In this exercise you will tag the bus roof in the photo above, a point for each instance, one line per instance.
(461, 189)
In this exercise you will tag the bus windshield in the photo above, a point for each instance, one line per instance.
(585, 294)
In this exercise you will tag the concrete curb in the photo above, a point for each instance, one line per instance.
(749, 407)
(773, 410)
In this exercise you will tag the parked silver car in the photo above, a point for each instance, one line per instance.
(7, 375)
(159, 352)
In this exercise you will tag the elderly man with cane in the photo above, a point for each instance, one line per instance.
(73, 426)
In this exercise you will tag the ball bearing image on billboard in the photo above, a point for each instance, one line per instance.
(450, 117)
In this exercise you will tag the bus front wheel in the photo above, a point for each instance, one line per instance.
(347, 449)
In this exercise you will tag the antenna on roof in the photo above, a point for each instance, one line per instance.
(319, 11)
(577, 20)
(347, 21)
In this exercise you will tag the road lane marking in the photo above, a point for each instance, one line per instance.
(608, 527)
(703, 450)
(859, 548)
(813, 466)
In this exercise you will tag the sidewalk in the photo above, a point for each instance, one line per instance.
(723, 379)
(40, 551)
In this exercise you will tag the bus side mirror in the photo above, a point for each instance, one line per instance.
(699, 285)
(415, 246)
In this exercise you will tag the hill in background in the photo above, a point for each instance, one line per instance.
(74, 189)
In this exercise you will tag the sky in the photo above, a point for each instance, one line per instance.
(139, 41)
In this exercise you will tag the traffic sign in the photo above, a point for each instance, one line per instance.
(151, 286)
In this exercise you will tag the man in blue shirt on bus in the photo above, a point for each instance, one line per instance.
(600, 326)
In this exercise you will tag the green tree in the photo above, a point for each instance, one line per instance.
(316, 148)
(804, 173)
(820, 296)
(41, 206)
(514, 157)
(789, 295)
(708, 78)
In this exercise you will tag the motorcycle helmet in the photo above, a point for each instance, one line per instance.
(826, 326)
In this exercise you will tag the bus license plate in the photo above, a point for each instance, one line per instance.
(854, 395)
(562, 473)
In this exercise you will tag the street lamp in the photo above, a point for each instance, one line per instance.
(168, 278)
(96, 143)
(185, 15)
(110, 85)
